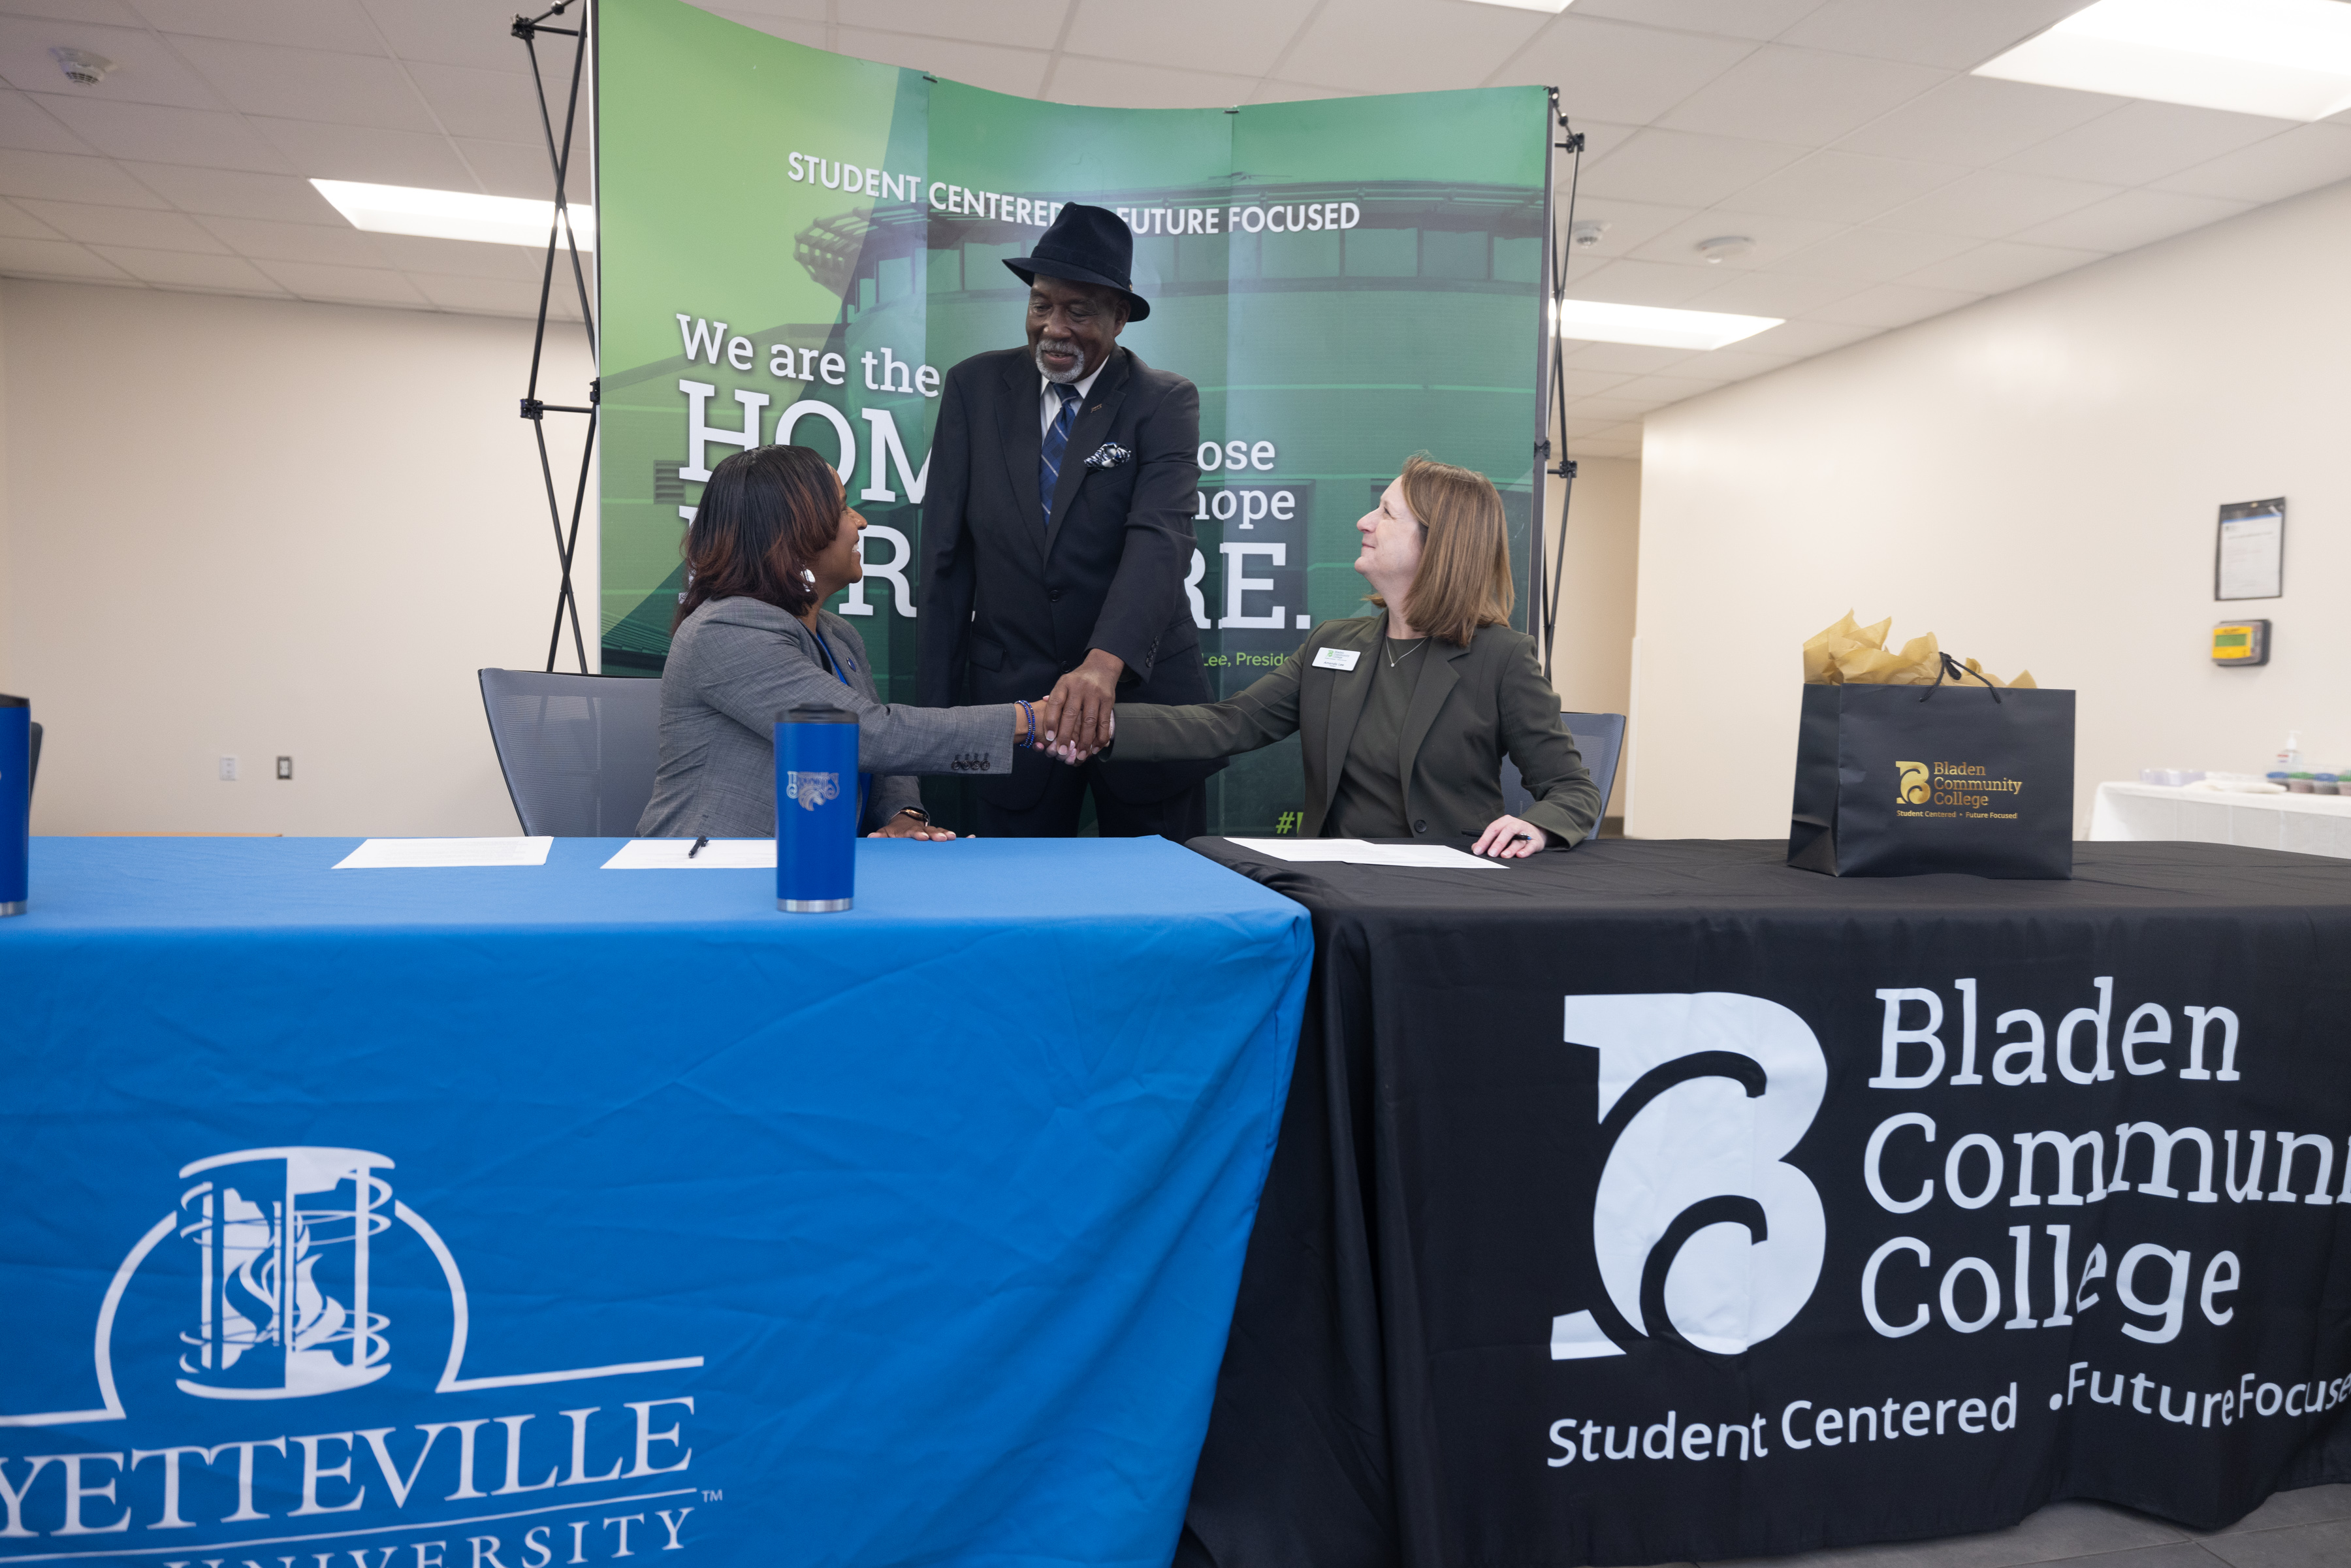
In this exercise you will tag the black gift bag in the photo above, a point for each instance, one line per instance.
(1897, 780)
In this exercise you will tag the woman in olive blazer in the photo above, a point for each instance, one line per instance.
(1392, 750)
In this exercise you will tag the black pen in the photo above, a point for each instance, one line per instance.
(697, 846)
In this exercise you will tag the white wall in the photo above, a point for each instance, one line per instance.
(1592, 658)
(2033, 478)
(247, 527)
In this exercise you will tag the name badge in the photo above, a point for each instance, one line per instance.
(1335, 658)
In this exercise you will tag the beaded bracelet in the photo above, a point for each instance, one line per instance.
(1028, 742)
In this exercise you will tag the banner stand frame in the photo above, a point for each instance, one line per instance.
(559, 234)
(1551, 391)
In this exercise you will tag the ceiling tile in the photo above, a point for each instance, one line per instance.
(521, 169)
(304, 23)
(1928, 32)
(164, 134)
(1805, 96)
(365, 152)
(1735, 365)
(1630, 357)
(1976, 121)
(1844, 187)
(1630, 225)
(2130, 220)
(337, 244)
(1356, 42)
(1992, 203)
(183, 269)
(1229, 37)
(308, 84)
(351, 284)
(1119, 85)
(1609, 70)
(61, 177)
(467, 259)
(2143, 142)
(1804, 338)
(1601, 137)
(1733, 18)
(479, 296)
(797, 30)
(471, 33)
(1658, 390)
(981, 65)
(1893, 305)
(1873, 255)
(1771, 293)
(2284, 165)
(15, 223)
(1272, 92)
(1578, 430)
(1640, 283)
(1676, 168)
(1774, 239)
(55, 258)
(146, 70)
(141, 227)
(2000, 266)
(109, 13)
(1591, 384)
(1026, 27)
(27, 123)
(494, 105)
(234, 193)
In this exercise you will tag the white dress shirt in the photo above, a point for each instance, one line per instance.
(1049, 406)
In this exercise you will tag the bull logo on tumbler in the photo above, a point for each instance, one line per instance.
(813, 790)
(283, 1236)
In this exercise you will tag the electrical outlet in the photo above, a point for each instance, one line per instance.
(228, 769)
(285, 768)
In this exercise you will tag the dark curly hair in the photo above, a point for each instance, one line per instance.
(766, 514)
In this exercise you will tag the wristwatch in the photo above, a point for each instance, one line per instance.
(917, 813)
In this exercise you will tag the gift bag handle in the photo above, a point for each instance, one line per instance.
(1958, 671)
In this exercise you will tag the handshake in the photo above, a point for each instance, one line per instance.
(1075, 719)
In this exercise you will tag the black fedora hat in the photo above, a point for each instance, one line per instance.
(1086, 245)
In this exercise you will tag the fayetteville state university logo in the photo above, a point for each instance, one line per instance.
(1910, 783)
(811, 790)
(297, 1274)
(1701, 1231)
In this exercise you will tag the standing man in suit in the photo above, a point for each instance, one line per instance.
(1057, 535)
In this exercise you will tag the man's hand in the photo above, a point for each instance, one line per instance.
(1509, 839)
(906, 826)
(1082, 701)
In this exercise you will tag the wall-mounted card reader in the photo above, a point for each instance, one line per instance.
(2240, 642)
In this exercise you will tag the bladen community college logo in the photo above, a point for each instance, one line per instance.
(285, 1252)
(811, 790)
(1910, 783)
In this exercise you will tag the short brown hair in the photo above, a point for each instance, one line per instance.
(765, 514)
(1464, 582)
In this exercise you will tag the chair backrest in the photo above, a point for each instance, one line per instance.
(578, 751)
(1600, 738)
(33, 763)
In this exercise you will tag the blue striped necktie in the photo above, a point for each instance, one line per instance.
(1056, 443)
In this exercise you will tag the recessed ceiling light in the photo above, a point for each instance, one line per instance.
(2288, 59)
(451, 214)
(1553, 6)
(1657, 328)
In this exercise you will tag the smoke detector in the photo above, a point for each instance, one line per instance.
(1586, 233)
(1724, 247)
(82, 67)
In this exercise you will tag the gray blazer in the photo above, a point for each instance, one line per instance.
(1471, 706)
(734, 666)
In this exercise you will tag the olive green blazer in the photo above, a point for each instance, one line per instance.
(1472, 706)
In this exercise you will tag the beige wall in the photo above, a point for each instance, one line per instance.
(2033, 478)
(1592, 658)
(244, 528)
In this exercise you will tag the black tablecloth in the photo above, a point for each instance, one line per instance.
(1714, 1268)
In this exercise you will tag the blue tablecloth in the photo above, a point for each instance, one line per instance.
(510, 1218)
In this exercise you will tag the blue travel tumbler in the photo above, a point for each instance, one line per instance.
(816, 809)
(15, 801)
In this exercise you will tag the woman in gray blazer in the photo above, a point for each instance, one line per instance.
(773, 538)
(1404, 716)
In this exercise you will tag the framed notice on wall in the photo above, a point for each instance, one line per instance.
(2249, 559)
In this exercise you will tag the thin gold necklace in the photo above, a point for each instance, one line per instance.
(1394, 661)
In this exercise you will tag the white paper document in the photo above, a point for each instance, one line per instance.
(2252, 557)
(1355, 852)
(718, 854)
(380, 854)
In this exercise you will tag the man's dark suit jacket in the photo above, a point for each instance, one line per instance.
(1010, 603)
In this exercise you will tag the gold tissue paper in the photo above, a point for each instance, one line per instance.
(1851, 654)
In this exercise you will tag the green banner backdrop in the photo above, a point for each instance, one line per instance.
(794, 247)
